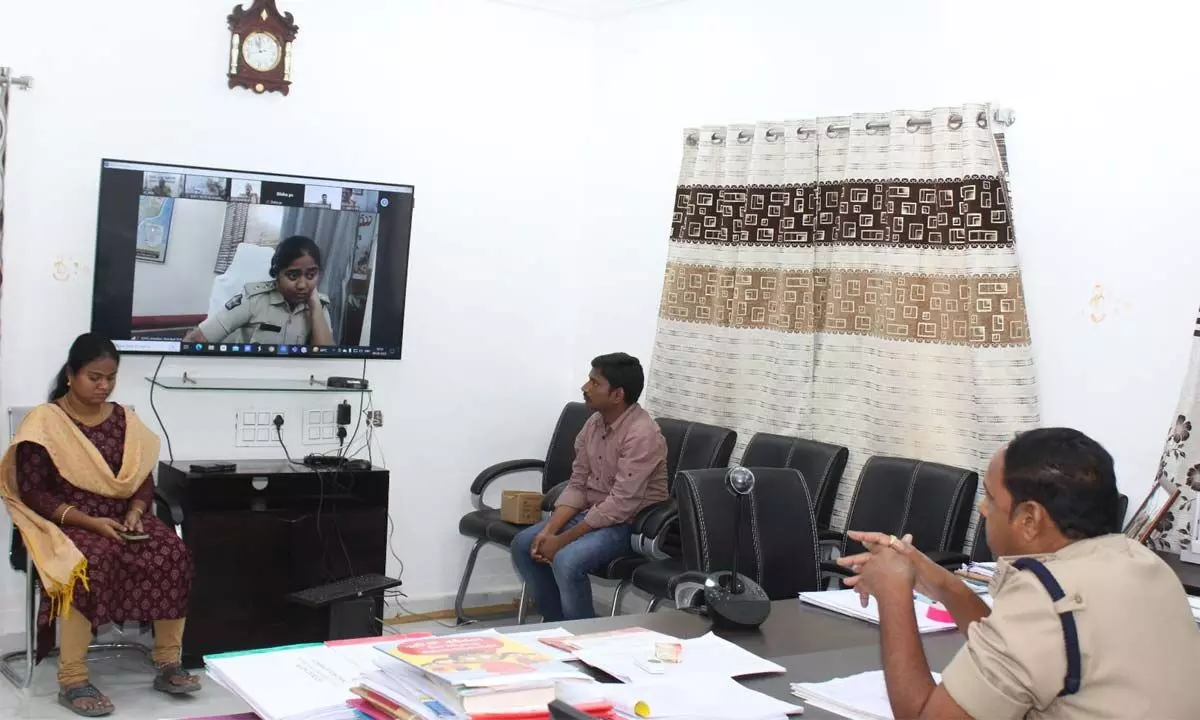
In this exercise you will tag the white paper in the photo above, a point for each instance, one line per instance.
(707, 656)
(848, 602)
(858, 697)
(289, 684)
(716, 698)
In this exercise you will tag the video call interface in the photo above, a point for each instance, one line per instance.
(181, 249)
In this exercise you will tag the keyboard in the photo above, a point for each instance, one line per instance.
(352, 587)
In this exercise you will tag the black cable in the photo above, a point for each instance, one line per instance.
(362, 392)
(154, 384)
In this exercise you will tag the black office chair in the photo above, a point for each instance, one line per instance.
(690, 446)
(980, 552)
(778, 545)
(899, 496)
(820, 464)
(484, 523)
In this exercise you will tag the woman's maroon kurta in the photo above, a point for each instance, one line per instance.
(127, 582)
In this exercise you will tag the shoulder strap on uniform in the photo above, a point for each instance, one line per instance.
(1070, 631)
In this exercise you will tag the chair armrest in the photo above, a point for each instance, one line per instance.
(652, 520)
(828, 536)
(650, 528)
(174, 512)
(551, 496)
(485, 478)
(948, 559)
(835, 569)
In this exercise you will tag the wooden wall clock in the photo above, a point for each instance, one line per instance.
(260, 47)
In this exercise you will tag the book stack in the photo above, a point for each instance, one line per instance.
(482, 674)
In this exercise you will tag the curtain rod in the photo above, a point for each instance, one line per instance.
(1003, 117)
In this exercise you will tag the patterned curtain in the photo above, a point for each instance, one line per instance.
(852, 280)
(1180, 462)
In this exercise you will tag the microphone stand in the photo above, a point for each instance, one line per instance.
(736, 587)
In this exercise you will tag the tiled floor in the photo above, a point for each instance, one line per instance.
(126, 680)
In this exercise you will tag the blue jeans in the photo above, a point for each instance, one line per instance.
(562, 589)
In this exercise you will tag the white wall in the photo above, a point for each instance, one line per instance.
(544, 152)
(1102, 156)
(475, 103)
(182, 284)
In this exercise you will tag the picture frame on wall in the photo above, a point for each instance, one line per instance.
(1191, 553)
(1158, 501)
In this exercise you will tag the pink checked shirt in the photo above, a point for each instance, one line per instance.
(619, 469)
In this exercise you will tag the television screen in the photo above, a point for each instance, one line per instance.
(225, 262)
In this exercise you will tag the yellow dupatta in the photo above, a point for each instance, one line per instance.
(59, 563)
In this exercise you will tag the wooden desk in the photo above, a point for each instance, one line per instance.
(1188, 573)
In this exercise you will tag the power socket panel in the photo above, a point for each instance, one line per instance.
(256, 428)
(319, 427)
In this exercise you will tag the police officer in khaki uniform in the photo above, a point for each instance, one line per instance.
(285, 311)
(1084, 624)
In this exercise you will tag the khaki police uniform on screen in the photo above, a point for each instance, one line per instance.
(1139, 648)
(261, 315)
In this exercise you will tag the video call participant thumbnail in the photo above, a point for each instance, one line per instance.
(287, 310)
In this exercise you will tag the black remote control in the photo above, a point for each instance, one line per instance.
(213, 467)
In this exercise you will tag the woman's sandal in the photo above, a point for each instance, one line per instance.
(67, 697)
(165, 681)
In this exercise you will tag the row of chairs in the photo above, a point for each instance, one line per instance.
(798, 481)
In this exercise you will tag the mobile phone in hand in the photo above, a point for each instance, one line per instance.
(132, 536)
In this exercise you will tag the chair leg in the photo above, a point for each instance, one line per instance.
(653, 604)
(522, 604)
(616, 603)
(460, 613)
(24, 680)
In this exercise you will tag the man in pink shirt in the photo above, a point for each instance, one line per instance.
(620, 468)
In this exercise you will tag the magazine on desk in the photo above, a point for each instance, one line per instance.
(483, 659)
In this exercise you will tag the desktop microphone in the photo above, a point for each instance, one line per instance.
(733, 600)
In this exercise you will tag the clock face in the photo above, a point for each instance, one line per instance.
(261, 51)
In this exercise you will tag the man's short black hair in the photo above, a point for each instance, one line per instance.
(623, 371)
(1070, 475)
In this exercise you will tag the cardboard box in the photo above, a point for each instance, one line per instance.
(521, 507)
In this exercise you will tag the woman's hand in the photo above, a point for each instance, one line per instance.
(106, 527)
(133, 520)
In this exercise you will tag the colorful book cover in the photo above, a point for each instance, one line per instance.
(478, 659)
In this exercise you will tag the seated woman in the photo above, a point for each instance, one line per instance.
(77, 483)
(287, 310)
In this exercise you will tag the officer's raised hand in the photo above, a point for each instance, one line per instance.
(889, 565)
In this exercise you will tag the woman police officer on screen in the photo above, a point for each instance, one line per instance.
(287, 310)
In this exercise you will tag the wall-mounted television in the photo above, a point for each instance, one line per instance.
(208, 261)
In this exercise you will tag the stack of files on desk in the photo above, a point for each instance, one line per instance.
(1194, 604)
(858, 697)
(979, 572)
(300, 682)
(456, 676)
(848, 602)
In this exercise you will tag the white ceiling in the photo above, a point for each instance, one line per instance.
(588, 9)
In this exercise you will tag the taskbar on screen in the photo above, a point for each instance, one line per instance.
(254, 349)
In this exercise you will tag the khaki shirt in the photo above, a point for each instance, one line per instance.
(261, 315)
(1140, 646)
(618, 470)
